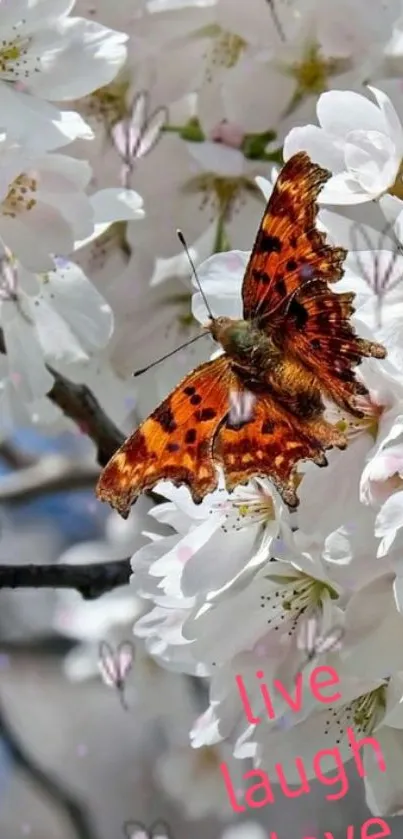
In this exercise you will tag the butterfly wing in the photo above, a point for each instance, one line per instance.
(329, 345)
(175, 443)
(289, 250)
(270, 444)
(285, 289)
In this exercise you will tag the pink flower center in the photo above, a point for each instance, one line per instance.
(229, 134)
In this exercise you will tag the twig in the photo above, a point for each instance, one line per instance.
(14, 457)
(79, 404)
(53, 473)
(53, 790)
(90, 581)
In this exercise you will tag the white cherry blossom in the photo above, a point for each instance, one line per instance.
(239, 528)
(359, 141)
(48, 55)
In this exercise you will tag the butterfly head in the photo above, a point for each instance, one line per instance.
(237, 337)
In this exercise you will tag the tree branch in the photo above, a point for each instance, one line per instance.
(90, 581)
(53, 473)
(13, 457)
(79, 404)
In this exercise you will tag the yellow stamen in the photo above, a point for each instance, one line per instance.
(20, 196)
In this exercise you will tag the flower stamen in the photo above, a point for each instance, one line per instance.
(296, 597)
(20, 196)
(364, 713)
(253, 505)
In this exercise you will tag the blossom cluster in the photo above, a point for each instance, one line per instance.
(51, 314)
(193, 106)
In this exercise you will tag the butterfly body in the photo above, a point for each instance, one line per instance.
(257, 409)
(248, 347)
(261, 363)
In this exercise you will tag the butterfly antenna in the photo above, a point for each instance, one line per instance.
(168, 354)
(186, 249)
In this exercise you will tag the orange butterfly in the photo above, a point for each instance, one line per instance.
(294, 344)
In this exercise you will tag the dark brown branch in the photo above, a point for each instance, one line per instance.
(14, 457)
(53, 473)
(90, 580)
(79, 404)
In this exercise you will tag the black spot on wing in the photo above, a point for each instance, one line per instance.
(261, 276)
(269, 244)
(190, 436)
(267, 427)
(298, 313)
(164, 416)
(281, 287)
(205, 414)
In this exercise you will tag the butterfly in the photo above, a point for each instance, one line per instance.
(294, 344)
(137, 135)
(115, 665)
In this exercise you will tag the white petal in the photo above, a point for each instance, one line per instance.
(265, 186)
(88, 57)
(61, 173)
(34, 235)
(390, 116)
(384, 790)
(213, 157)
(390, 517)
(343, 189)
(27, 366)
(178, 265)
(111, 205)
(371, 157)
(80, 305)
(322, 147)
(33, 14)
(221, 279)
(58, 342)
(39, 125)
(182, 502)
(341, 111)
